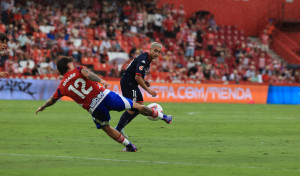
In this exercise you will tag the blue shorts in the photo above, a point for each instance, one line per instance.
(131, 91)
(108, 101)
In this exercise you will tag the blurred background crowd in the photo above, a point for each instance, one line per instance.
(196, 49)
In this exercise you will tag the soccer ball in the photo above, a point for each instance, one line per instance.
(157, 107)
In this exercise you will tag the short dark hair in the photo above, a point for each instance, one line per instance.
(62, 64)
(3, 37)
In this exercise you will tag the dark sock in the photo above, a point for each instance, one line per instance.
(123, 120)
(131, 117)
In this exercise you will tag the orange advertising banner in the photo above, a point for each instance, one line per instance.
(202, 93)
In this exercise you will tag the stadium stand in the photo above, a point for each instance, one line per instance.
(196, 48)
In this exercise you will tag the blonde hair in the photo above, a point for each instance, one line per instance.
(154, 44)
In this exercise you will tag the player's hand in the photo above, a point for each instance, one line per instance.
(152, 92)
(147, 84)
(42, 108)
(3, 74)
(105, 84)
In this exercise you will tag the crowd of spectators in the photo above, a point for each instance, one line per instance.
(196, 48)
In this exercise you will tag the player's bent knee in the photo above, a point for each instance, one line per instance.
(99, 124)
(105, 127)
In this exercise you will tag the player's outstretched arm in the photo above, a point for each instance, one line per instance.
(142, 83)
(3, 74)
(51, 101)
(93, 77)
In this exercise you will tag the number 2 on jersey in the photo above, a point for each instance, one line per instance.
(83, 91)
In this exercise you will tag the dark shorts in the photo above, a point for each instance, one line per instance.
(111, 101)
(131, 91)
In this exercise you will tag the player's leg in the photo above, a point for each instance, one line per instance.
(133, 93)
(118, 103)
(117, 136)
(146, 111)
(133, 114)
(126, 118)
(101, 118)
(123, 103)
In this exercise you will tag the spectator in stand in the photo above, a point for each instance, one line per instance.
(234, 76)
(12, 66)
(115, 46)
(250, 73)
(270, 28)
(190, 43)
(134, 28)
(191, 66)
(221, 59)
(149, 31)
(169, 27)
(22, 38)
(114, 69)
(297, 76)
(27, 70)
(262, 62)
(127, 10)
(35, 70)
(181, 12)
(207, 72)
(199, 74)
(218, 49)
(158, 20)
(257, 77)
(210, 40)
(105, 44)
(265, 40)
(212, 23)
(111, 32)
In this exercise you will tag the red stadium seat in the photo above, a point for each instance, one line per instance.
(101, 67)
(87, 61)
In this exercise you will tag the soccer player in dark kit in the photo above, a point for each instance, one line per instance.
(134, 77)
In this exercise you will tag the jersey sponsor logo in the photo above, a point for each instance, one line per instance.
(143, 61)
(68, 79)
(141, 68)
(96, 99)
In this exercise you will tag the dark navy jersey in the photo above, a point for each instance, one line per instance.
(139, 66)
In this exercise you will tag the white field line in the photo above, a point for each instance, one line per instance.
(215, 113)
(238, 114)
(146, 161)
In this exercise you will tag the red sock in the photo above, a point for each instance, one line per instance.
(154, 112)
(121, 139)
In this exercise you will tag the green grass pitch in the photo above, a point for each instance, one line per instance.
(204, 139)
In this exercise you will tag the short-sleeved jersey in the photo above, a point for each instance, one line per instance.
(77, 87)
(139, 66)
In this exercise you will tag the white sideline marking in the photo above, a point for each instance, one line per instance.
(214, 113)
(145, 161)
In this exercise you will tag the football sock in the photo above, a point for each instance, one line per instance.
(132, 116)
(121, 139)
(160, 115)
(125, 119)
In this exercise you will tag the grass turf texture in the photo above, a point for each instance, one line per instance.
(204, 139)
